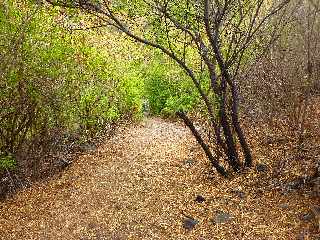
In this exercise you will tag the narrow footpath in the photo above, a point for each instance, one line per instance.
(142, 184)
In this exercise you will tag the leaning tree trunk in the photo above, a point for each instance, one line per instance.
(204, 146)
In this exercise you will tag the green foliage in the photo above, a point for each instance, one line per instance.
(132, 92)
(7, 161)
(54, 78)
(168, 89)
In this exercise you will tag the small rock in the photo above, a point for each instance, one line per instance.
(307, 217)
(189, 162)
(239, 193)
(261, 167)
(284, 205)
(296, 184)
(63, 163)
(221, 217)
(200, 199)
(190, 223)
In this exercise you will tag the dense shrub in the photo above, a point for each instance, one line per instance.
(56, 78)
(50, 80)
(168, 89)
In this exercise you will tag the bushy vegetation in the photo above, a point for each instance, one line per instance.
(52, 79)
(168, 89)
(64, 73)
(242, 75)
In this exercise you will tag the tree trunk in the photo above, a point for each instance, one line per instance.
(237, 127)
(231, 153)
(204, 146)
(226, 78)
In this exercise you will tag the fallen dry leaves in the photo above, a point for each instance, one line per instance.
(141, 184)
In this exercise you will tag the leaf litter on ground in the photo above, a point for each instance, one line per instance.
(137, 186)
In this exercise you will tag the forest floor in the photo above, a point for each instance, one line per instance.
(143, 183)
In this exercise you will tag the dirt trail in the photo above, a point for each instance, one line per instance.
(108, 194)
(136, 186)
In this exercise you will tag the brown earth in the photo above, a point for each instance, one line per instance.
(141, 184)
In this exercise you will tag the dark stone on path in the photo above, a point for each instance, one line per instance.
(307, 217)
(188, 162)
(189, 223)
(261, 167)
(200, 199)
(63, 163)
(239, 193)
(284, 205)
(221, 217)
(296, 184)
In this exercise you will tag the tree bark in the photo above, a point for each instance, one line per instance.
(231, 153)
(204, 146)
(236, 125)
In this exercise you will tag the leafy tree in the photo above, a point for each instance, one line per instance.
(216, 37)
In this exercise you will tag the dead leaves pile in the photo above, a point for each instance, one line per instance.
(142, 184)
